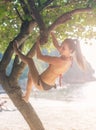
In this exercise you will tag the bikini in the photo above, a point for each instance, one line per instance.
(45, 85)
(60, 76)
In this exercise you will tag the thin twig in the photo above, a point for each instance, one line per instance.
(19, 14)
(45, 5)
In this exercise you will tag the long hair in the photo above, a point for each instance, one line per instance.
(74, 45)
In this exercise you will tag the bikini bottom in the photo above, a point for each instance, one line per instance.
(45, 85)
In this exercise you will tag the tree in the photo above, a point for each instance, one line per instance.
(24, 21)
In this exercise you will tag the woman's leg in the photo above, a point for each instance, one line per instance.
(28, 88)
(34, 74)
(33, 78)
(27, 60)
(32, 68)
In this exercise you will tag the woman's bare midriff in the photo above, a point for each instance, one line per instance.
(53, 71)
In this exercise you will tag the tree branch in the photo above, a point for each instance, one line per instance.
(45, 5)
(19, 67)
(17, 71)
(24, 7)
(5, 1)
(61, 20)
(67, 16)
(39, 2)
(35, 13)
(81, 10)
(26, 29)
(53, 7)
(6, 58)
(19, 14)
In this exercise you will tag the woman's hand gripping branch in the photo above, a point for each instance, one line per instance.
(15, 46)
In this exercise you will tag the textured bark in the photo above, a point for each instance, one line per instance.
(14, 92)
(26, 29)
(36, 15)
(10, 83)
(67, 16)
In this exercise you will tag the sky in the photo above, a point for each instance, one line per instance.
(89, 51)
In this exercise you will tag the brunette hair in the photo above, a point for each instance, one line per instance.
(74, 45)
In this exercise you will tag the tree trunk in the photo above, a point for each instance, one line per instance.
(10, 83)
(28, 112)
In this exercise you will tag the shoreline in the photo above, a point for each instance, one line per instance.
(55, 115)
(76, 110)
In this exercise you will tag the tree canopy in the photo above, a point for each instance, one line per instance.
(13, 12)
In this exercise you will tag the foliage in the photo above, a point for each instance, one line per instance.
(9, 24)
(10, 21)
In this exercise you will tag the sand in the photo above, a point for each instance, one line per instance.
(55, 115)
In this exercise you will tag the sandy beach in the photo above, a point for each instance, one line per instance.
(55, 115)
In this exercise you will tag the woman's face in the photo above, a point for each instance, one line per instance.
(65, 50)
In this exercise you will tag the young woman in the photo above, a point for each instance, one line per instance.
(57, 65)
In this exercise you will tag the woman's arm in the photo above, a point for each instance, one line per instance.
(55, 42)
(46, 58)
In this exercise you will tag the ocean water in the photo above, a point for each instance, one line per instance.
(81, 92)
(72, 107)
(85, 92)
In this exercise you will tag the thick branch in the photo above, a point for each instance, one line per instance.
(17, 71)
(5, 1)
(14, 92)
(6, 58)
(81, 10)
(67, 16)
(19, 67)
(35, 13)
(39, 2)
(24, 7)
(61, 20)
(26, 29)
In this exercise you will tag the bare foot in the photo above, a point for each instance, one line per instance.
(15, 46)
(25, 98)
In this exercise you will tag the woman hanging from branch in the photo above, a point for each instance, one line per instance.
(57, 65)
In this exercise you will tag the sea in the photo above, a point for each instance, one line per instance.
(74, 92)
(69, 92)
